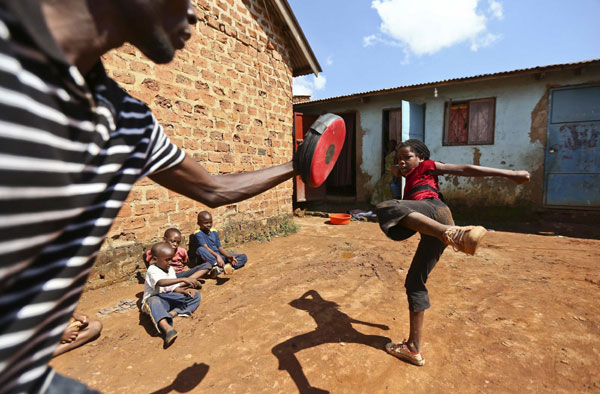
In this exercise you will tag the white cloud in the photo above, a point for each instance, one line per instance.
(427, 26)
(374, 39)
(496, 9)
(484, 41)
(369, 40)
(329, 60)
(319, 82)
(300, 88)
(307, 84)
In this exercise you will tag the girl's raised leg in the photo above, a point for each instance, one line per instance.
(464, 239)
(425, 225)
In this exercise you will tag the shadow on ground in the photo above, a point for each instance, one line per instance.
(186, 380)
(333, 326)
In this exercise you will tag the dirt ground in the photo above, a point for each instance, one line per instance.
(312, 312)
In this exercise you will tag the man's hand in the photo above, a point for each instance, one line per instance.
(220, 261)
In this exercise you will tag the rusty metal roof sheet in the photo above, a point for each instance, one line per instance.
(475, 78)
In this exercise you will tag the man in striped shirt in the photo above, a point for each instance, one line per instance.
(72, 143)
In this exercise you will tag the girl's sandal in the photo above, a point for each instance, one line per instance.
(402, 351)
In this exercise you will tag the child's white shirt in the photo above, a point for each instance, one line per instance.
(153, 275)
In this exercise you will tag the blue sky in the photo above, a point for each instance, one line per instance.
(365, 45)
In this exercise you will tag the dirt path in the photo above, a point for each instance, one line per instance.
(312, 311)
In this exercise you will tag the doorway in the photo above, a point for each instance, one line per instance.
(572, 161)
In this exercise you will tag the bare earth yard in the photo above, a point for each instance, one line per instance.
(312, 312)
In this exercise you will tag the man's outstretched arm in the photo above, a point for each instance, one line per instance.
(192, 180)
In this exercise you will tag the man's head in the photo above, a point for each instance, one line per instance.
(172, 237)
(205, 221)
(157, 27)
(162, 253)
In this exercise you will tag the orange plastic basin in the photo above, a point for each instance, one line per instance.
(339, 218)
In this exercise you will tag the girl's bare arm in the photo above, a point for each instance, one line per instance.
(479, 171)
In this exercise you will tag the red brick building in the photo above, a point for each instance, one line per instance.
(226, 99)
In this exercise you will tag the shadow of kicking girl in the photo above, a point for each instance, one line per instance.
(333, 326)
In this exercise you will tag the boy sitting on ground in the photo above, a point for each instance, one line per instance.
(209, 248)
(180, 260)
(79, 331)
(166, 295)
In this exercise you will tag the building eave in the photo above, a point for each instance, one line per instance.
(539, 72)
(307, 62)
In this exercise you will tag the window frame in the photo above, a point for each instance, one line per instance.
(446, 126)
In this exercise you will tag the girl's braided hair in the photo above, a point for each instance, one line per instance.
(417, 146)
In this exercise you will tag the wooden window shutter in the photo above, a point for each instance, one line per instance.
(458, 127)
(481, 121)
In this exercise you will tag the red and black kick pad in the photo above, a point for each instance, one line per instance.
(319, 151)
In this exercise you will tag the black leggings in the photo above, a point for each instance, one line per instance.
(430, 249)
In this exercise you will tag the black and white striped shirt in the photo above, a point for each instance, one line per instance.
(70, 150)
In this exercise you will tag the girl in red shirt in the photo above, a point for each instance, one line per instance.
(422, 210)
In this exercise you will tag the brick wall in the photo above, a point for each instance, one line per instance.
(300, 99)
(227, 101)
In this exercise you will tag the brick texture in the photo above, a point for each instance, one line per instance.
(226, 99)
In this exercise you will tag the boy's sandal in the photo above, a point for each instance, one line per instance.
(214, 272)
(402, 351)
(183, 314)
(228, 269)
(170, 337)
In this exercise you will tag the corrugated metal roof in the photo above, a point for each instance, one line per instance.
(481, 77)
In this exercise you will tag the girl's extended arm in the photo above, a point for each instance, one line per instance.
(478, 171)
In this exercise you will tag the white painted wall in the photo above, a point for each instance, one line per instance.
(371, 117)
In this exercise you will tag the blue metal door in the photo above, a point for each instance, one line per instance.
(572, 170)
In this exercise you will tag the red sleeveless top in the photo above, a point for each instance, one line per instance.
(420, 176)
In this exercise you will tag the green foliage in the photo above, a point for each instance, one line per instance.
(260, 230)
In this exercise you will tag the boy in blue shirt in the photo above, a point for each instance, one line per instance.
(208, 246)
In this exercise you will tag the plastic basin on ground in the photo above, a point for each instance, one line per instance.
(339, 218)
